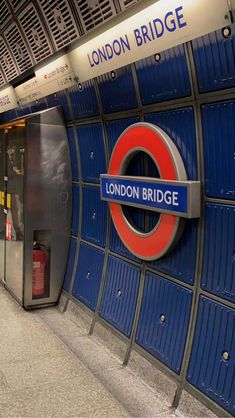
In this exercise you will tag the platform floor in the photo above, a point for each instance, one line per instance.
(50, 367)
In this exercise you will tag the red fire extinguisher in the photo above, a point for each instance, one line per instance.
(39, 270)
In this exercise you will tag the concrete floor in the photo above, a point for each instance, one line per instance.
(50, 367)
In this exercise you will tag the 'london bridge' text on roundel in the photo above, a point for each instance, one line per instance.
(171, 195)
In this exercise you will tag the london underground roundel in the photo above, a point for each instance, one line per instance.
(173, 195)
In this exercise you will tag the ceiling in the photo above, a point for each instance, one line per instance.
(31, 31)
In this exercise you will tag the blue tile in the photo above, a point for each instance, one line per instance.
(180, 263)
(92, 152)
(214, 60)
(117, 93)
(38, 106)
(218, 121)
(8, 116)
(218, 273)
(179, 124)
(23, 110)
(167, 79)
(94, 216)
(116, 127)
(59, 99)
(88, 275)
(120, 294)
(164, 318)
(83, 100)
(208, 370)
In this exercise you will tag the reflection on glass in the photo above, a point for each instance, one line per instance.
(15, 172)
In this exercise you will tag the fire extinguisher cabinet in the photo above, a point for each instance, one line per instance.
(35, 207)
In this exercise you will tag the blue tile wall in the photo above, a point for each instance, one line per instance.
(83, 100)
(88, 275)
(117, 93)
(73, 153)
(137, 217)
(116, 244)
(164, 319)
(94, 215)
(166, 79)
(181, 261)
(9, 115)
(60, 99)
(116, 127)
(218, 120)
(38, 106)
(23, 110)
(214, 60)
(208, 370)
(120, 294)
(71, 259)
(218, 274)
(92, 152)
(180, 126)
(75, 208)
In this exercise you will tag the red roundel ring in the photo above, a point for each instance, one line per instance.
(158, 145)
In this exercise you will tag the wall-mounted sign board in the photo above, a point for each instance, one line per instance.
(28, 92)
(7, 99)
(177, 198)
(158, 27)
(56, 75)
(50, 78)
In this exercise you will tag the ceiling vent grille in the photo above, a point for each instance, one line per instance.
(125, 4)
(18, 47)
(60, 21)
(93, 13)
(7, 62)
(35, 33)
(5, 14)
(16, 4)
(2, 81)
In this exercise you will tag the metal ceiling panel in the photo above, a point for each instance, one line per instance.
(2, 81)
(125, 4)
(60, 21)
(93, 13)
(16, 4)
(18, 47)
(5, 14)
(6, 61)
(35, 33)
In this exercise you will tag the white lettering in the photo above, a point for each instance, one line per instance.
(175, 196)
(122, 190)
(148, 194)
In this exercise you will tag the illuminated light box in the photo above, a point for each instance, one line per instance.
(158, 27)
(8, 99)
(50, 78)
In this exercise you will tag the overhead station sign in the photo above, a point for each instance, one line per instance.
(173, 195)
(158, 27)
(8, 99)
(56, 75)
(28, 92)
(50, 78)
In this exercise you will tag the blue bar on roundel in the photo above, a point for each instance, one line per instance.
(151, 195)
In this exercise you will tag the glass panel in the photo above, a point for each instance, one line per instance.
(2, 215)
(15, 224)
